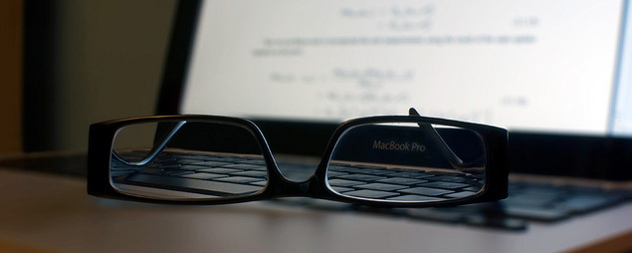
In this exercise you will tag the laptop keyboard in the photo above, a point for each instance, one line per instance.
(224, 175)
(527, 201)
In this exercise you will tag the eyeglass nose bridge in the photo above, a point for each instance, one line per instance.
(280, 186)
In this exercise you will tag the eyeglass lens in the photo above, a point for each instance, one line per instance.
(187, 160)
(407, 162)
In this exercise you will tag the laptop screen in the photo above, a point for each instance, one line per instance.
(557, 74)
(551, 66)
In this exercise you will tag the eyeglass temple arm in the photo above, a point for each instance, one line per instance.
(453, 159)
(162, 143)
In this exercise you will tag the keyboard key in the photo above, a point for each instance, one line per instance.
(373, 170)
(337, 168)
(229, 159)
(240, 180)
(381, 186)
(251, 173)
(344, 183)
(411, 174)
(426, 191)
(220, 170)
(445, 185)
(345, 169)
(477, 187)
(184, 161)
(193, 167)
(192, 185)
(462, 194)
(255, 162)
(260, 183)
(167, 172)
(210, 164)
(456, 179)
(243, 166)
(402, 181)
(371, 194)
(167, 166)
(361, 177)
(339, 189)
(203, 176)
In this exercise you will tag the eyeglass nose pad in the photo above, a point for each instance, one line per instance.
(297, 169)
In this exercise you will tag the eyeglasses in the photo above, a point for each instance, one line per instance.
(385, 161)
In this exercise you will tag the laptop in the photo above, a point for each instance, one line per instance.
(555, 74)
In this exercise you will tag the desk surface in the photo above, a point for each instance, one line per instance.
(54, 213)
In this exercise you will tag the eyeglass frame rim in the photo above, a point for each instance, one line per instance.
(102, 134)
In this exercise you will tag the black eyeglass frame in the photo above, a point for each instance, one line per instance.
(102, 134)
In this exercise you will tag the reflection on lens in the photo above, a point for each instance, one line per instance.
(187, 160)
(407, 162)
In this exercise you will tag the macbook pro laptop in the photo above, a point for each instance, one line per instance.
(556, 74)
